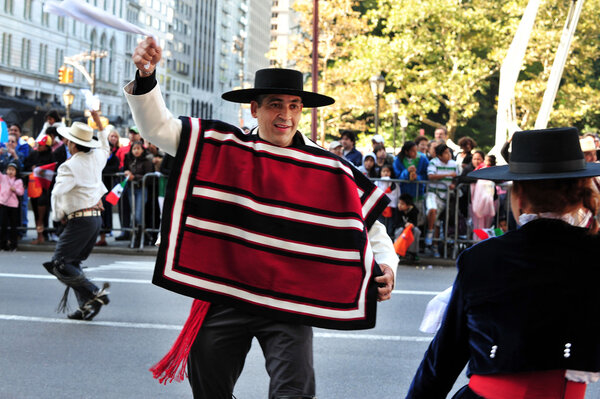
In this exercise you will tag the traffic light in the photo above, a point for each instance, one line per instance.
(69, 77)
(62, 74)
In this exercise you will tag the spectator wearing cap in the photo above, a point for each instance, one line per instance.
(134, 135)
(588, 147)
(378, 140)
(351, 154)
(10, 188)
(336, 147)
(41, 155)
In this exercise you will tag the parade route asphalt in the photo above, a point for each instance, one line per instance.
(45, 355)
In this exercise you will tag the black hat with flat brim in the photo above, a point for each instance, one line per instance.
(542, 155)
(278, 81)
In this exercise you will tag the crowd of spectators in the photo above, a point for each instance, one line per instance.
(427, 174)
(21, 155)
(420, 181)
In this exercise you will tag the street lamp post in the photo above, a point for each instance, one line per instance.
(377, 85)
(68, 98)
(395, 104)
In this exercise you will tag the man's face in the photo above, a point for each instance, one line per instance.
(133, 136)
(347, 144)
(14, 130)
(590, 156)
(440, 134)
(278, 118)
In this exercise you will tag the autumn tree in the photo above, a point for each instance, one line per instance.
(440, 56)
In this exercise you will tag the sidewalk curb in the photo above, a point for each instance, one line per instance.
(122, 248)
(108, 250)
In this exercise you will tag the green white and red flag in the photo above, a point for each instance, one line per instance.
(115, 194)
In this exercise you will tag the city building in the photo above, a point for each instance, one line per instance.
(284, 25)
(209, 47)
(34, 45)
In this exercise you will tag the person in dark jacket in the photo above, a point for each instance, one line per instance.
(348, 141)
(139, 164)
(522, 312)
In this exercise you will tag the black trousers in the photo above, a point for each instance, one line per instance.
(218, 354)
(9, 219)
(74, 246)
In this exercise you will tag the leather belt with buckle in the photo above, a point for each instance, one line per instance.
(84, 213)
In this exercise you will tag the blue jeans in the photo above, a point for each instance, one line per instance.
(139, 204)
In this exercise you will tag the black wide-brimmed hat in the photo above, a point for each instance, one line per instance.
(278, 81)
(541, 155)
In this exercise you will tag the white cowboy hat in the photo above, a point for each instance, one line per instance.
(79, 133)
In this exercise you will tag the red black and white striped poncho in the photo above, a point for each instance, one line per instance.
(280, 232)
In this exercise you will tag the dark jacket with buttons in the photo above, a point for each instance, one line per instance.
(525, 301)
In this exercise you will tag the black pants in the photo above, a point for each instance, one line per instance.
(218, 354)
(9, 218)
(74, 246)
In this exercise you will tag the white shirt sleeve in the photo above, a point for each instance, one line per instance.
(383, 247)
(153, 119)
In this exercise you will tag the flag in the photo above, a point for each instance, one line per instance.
(3, 131)
(405, 240)
(44, 174)
(484, 234)
(115, 193)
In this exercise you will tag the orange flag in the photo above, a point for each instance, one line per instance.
(405, 240)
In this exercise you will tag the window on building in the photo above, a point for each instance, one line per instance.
(27, 9)
(60, 23)
(6, 48)
(273, 26)
(43, 58)
(102, 61)
(8, 7)
(111, 60)
(25, 53)
(45, 18)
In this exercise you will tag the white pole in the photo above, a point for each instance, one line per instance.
(509, 73)
(559, 64)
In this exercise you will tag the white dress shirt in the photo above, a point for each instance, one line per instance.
(79, 180)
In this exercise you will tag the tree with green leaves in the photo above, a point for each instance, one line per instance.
(441, 57)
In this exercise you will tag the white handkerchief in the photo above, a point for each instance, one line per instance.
(91, 15)
(92, 102)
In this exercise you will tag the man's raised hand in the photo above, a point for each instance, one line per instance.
(146, 56)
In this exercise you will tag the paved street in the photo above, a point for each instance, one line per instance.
(44, 355)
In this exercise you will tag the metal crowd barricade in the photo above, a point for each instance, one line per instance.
(452, 240)
(150, 195)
